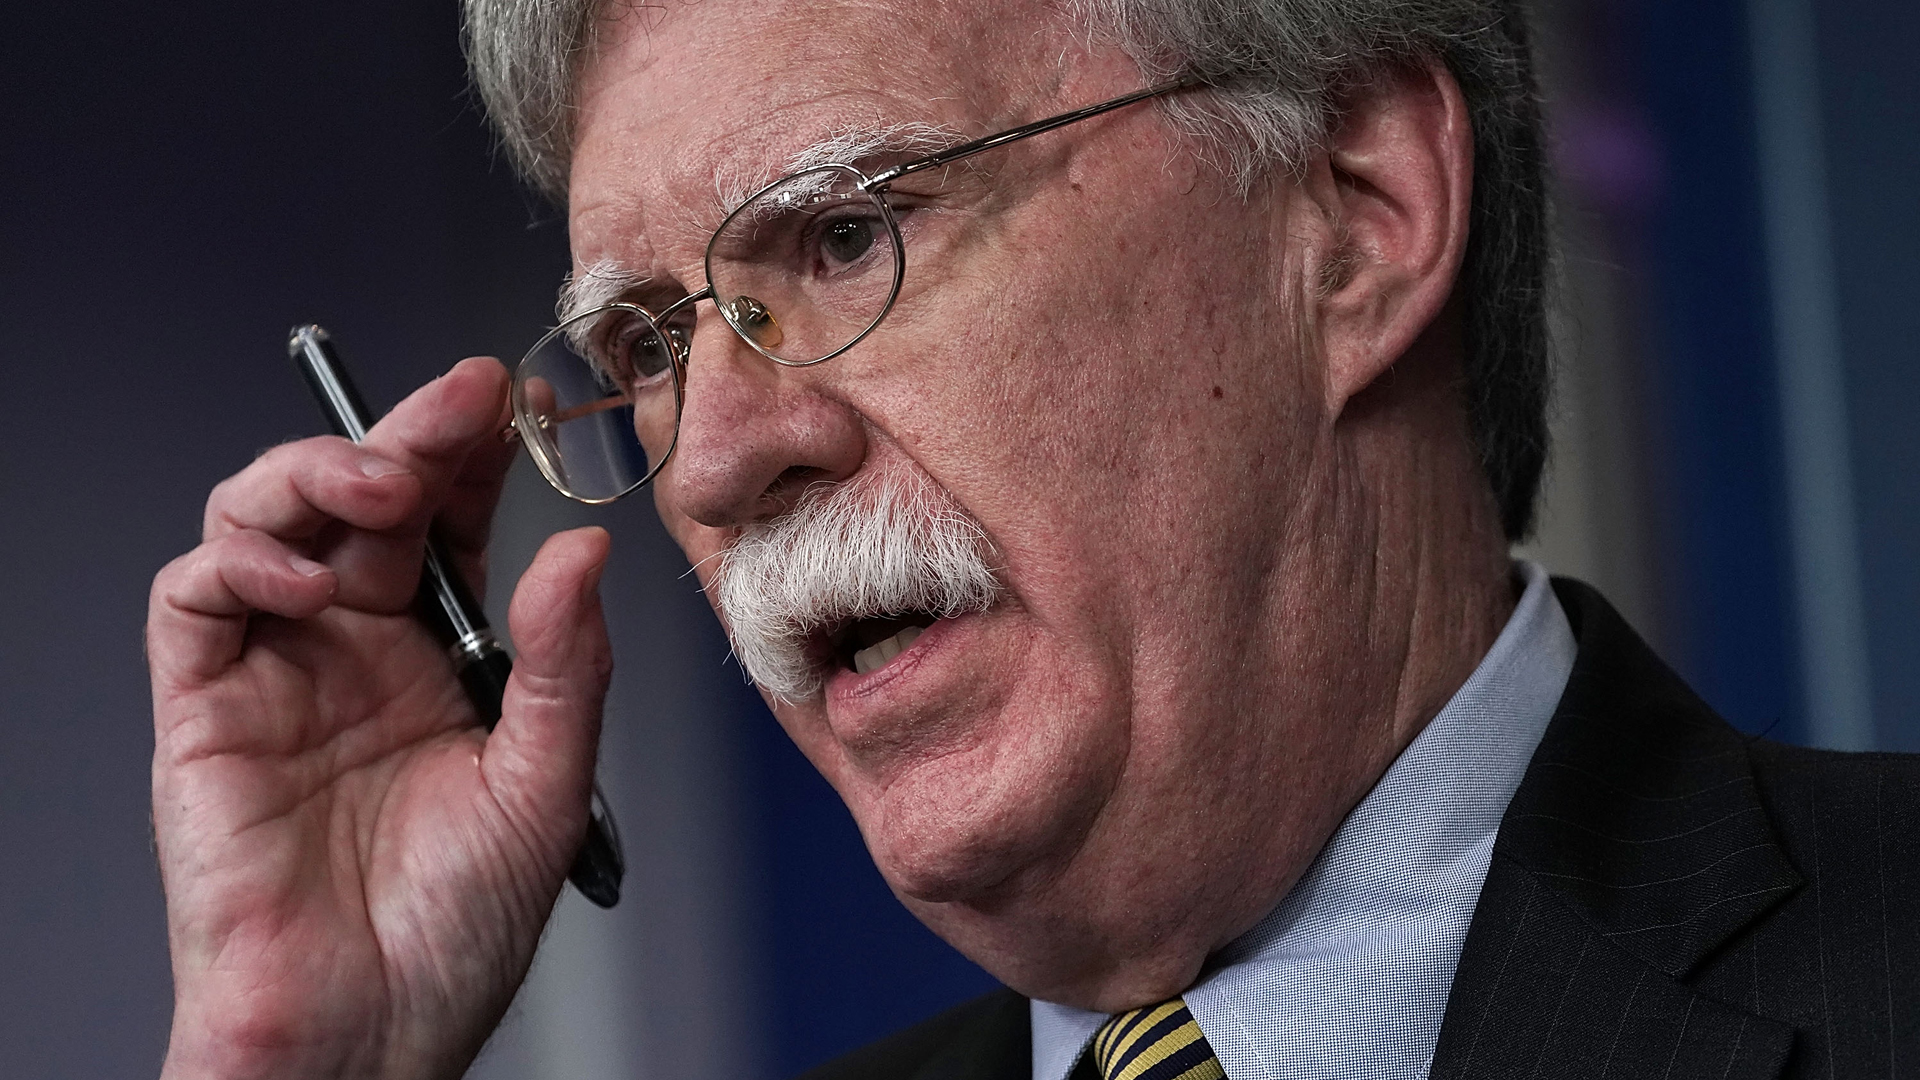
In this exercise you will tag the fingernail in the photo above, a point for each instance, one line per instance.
(306, 567)
(594, 575)
(379, 468)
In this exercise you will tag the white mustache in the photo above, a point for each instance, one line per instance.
(877, 545)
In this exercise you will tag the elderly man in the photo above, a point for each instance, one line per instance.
(1116, 513)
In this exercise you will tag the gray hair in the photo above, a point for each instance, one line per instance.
(1280, 69)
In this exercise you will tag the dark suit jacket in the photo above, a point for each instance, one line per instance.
(1667, 898)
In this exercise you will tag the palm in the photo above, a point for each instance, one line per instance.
(321, 837)
(356, 873)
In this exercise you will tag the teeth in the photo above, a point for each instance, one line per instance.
(876, 657)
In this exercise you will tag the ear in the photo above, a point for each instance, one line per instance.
(1395, 184)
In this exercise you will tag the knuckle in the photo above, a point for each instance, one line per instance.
(271, 457)
(168, 579)
(294, 450)
(198, 562)
(216, 517)
(234, 551)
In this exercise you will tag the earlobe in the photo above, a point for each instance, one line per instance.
(1395, 187)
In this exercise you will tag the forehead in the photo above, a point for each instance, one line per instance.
(680, 105)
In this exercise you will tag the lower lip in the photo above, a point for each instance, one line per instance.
(846, 686)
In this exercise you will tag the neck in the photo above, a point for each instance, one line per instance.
(1385, 594)
(1419, 528)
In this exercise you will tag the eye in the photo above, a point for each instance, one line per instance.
(633, 354)
(843, 239)
(846, 240)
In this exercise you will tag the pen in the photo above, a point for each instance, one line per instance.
(449, 609)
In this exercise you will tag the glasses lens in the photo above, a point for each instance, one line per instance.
(806, 267)
(597, 402)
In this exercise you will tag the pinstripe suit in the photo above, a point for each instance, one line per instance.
(1667, 898)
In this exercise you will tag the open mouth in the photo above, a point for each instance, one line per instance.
(866, 645)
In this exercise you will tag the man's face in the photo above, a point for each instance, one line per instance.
(1097, 356)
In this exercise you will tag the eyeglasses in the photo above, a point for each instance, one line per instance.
(802, 271)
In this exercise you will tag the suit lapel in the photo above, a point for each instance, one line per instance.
(1540, 993)
(1636, 846)
(995, 1044)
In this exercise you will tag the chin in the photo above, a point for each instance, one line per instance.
(968, 825)
(952, 839)
(939, 856)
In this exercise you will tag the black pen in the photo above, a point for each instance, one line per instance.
(449, 609)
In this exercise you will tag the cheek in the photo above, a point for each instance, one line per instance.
(1104, 445)
(1015, 799)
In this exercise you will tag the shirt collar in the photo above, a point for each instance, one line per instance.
(1359, 956)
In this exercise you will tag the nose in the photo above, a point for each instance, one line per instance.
(754, 435)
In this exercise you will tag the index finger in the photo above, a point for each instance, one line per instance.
(447, 433)
(465, 519)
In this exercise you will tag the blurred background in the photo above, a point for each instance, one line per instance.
(182, 182)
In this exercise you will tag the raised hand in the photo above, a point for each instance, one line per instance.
(356, 874)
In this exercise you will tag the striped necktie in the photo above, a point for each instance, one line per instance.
(1161, 1042)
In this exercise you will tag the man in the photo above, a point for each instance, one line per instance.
(1118, 518)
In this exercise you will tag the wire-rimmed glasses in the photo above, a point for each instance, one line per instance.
(802, 271)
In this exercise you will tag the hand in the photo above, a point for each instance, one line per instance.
(356, 874)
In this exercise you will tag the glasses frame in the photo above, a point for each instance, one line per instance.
(679, 346)
(524, 420)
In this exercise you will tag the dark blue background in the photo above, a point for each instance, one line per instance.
(184, 181)
(1723, 513)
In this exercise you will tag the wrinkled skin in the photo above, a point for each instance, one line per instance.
(1242, 568)
(356, 878)
(1216, 441)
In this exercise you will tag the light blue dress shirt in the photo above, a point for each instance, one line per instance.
(1349, 976)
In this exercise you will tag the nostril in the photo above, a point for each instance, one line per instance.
(794, 482)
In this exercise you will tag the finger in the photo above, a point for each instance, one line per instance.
(438, 428)
(294, 490)
(379, 571)
(198, 609)
(539, 760)
(387, 488)
(465, 520)
(345, 506)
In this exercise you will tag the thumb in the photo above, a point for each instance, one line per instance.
(539, 759)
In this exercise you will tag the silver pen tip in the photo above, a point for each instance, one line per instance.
(298, 337)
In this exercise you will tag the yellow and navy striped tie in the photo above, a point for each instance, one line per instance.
(1157, 1043)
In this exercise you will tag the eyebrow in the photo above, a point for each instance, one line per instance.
(840, 146)
(598, 285)
(607, 280)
